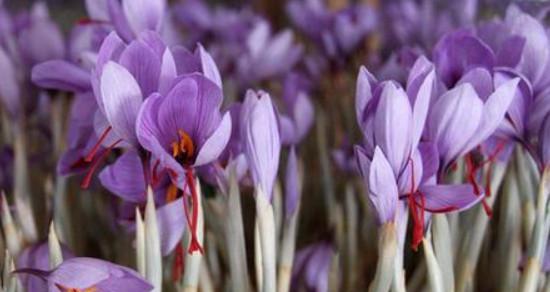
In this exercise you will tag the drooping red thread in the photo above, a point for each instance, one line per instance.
(90, 156)
(190, 178)
(418, 218)
(88, 178)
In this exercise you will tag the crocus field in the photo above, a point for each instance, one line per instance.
(274, 146)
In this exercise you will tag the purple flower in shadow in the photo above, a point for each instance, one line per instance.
(37, 257)
(89, 274)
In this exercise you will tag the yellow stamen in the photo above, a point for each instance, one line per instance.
(171, 193)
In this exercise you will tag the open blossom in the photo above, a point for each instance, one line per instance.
(89, 274)
(393, 161)
(37, 257)
(183, 130)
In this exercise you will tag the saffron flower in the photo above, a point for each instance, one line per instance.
(183, 130)
(262, 140)
(37, 256)
(89, 274)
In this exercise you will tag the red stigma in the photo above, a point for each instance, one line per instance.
(90, 156)
(416, 214)
(88, 178)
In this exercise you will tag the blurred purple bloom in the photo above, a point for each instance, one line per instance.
(89, 273)
(311, 267)
(262, 141)
(37, 257)
(293, 183)
(422, 23)
(344, 157)
(337, 33)
(267, 55)
(299, 110)
(128, 17)
(39, 38)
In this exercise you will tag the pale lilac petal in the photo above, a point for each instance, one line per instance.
(168, 72)
(263, 143)
(61, 75)
(215, 144)
(536, 50)
(448, 198)
(481, 80)
(144, 64)
(124, 178)
(110, 49)
(119, 20)
(453, 120)
(82, 273)
(144, 14)
(122, 99)
(382, 187)
(430, 160)
(209, 68)
(363, 92)
(421, 105)
(393, 126)
(171, 222)
(494, 110)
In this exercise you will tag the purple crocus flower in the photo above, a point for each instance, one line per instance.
(267, 55)
(25, 39)
(392, 121)
(337, 33)
(311, 267)
(37, 257)
(128, 18)
(299, 111)
(89, 274)
(184, 129)
(260, 131)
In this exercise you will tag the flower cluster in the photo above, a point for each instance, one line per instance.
(180, 135)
